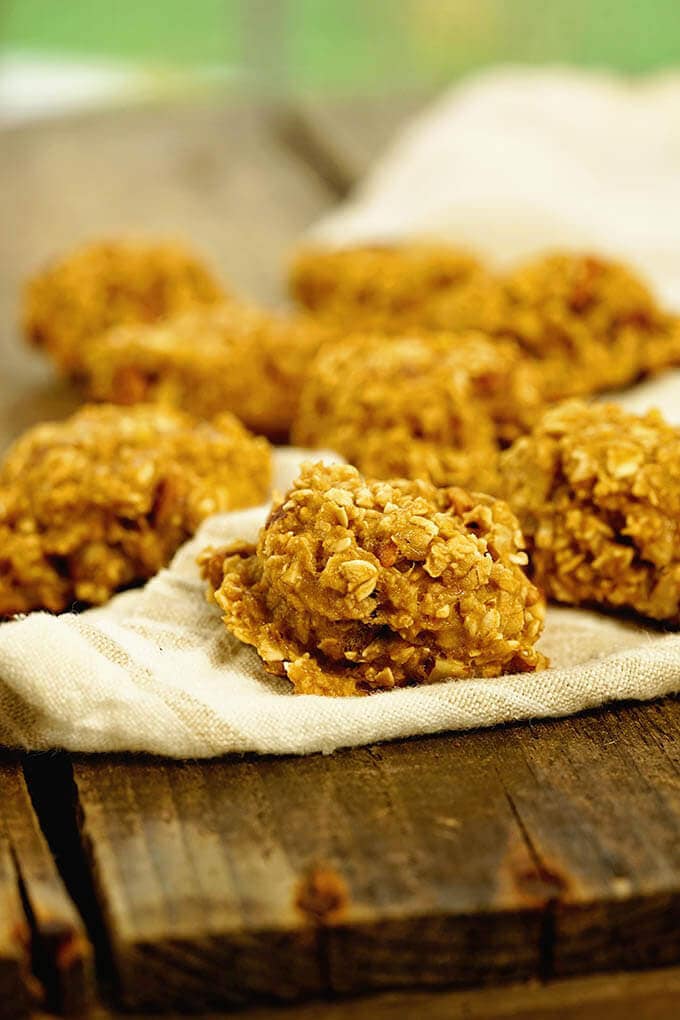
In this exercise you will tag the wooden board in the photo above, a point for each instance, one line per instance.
(45, 955)
(291, 878)
(647, 995)
(61, 952)
(14, 940)
(453, 860)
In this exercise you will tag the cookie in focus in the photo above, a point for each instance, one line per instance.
(357, 586)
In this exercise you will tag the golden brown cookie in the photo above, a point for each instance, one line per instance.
(421, 405)
(104, 499)
(109, 283)
(357, 586)
(597, 494)
(593, 323)
(230, 357)
(390, 288)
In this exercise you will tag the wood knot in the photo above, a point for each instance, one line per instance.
(321, 895)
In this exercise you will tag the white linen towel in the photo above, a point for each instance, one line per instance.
(511, 163)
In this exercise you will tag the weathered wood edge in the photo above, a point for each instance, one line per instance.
(551, 902)
(647, 995)
(266, 859)
(15, 941)
(62, 958)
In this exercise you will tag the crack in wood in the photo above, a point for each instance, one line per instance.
(18, 988)
(68, 934)
(56, 955)
(45, 944)
(549, 888)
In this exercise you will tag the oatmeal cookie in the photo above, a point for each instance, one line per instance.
(597, 494)
(420, 405)
(104, 499)
(357, 586)
(390, 288)
(109, 283)
(232, 357)
(592, 322)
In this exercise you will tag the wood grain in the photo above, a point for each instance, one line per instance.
(62, 956)
(201, 869)
(598, 797)
(14, 938)
(648, 995)
(217, 853)
(466, 860)
(197, 894)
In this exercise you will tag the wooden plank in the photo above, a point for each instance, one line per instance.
(196, 889)
(235, 881)
(598, 797)
(14, 942)
(647, 995)
(62, 956)
(453, 860)
(425, 906)
(212, 174)
(15, 935)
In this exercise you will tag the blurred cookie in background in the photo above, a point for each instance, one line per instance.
(421, 405)
(103, 500)
(110, 283)
(229, 357)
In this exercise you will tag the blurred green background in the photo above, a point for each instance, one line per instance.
(348, 46)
